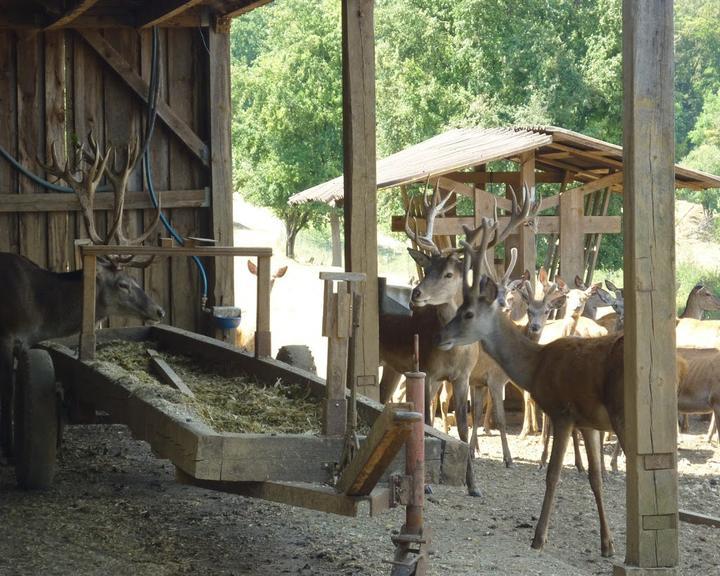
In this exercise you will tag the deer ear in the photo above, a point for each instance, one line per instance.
(558, 302)
(561, 284)
(526, 275)
(604, 296)
(280, 271)
(579, 283)
(252, 267)
(542, 275)
(422, 259)
(610, 286)
(488, 289)
(108, 264)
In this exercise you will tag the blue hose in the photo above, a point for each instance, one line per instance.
(152, 115)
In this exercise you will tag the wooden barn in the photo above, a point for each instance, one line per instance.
(71, 68)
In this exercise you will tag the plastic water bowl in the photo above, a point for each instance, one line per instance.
(226, 317)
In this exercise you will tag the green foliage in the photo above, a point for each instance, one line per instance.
(445, 63)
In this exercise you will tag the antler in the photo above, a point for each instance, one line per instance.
(519, 214)
(84, 186)
(433, 208)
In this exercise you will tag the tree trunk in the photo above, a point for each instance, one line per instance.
(290, 242)
(335, 235)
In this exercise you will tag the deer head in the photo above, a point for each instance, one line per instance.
(279, 273)
(119, 294)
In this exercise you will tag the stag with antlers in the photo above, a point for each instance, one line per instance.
(39, 304)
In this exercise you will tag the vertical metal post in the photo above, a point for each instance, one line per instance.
(87, 335)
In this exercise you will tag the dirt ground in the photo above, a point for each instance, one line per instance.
(115, 510)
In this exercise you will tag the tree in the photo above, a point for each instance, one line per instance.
(287, 99)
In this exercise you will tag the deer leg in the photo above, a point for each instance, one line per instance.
(684, 423)
(6, 399)
(431, 389)
(713, 427)
(529, 421)
(561, 437)
(460, 394)
(546, 430)
(388, 383)
(592, 447)
(477, 408)
(578, 455)
(488, 405)
(614, 457)
(446, 391)
(497, 393)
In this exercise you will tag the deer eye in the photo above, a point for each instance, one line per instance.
(469, 315)
(124, 285)
(448, 275)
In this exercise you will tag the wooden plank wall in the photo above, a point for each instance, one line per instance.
(54, 87)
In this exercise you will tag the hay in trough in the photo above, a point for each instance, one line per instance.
(226, 402)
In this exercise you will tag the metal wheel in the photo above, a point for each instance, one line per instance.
(36, 420)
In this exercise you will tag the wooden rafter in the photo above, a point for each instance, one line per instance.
(69, 16)
(600, 158)
(160, 11)
(126, 72)
(233, 8)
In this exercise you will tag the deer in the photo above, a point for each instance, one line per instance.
(245, 333)
(699, 389)
(442, 286)
(700, 300)
(38, 304)
(577, 382)
(613, 297)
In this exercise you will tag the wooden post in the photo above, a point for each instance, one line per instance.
(335, 235)
(650, 365)
(87, 336)
(360, 181)
(220, 167)
(262, 332)
(336, 328)
(572, 239)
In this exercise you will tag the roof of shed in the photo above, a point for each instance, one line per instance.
(462, 148)
(56, 14)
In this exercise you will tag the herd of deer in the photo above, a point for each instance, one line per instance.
(479, 330)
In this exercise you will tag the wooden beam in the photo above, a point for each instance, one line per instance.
(127, 73)
(572, 236)
(166, 374)
(453, 225)
(160, 11)
(699, 519)
(233, 9)
(649, 280)
(69, 16)
(386, 438)
(103, 250)
(360, 180)
(541, 176)
(590, 155)
(220, 164)
(62, 202)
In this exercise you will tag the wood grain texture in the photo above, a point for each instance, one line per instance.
(8, 136)
(360, 203)
(650, 367)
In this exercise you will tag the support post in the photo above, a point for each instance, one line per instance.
(360, 182)
(87, 335)
(336, 328)
(650, 364)
(220, 167)
(263, 346)
(572, 238)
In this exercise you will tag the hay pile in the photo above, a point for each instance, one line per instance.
(226, 402)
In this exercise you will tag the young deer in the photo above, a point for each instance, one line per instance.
(577, 382)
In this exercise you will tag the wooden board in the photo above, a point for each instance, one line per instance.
(389, 433)
(220, 163)
(650, 367)
(360, 202)
(8, 140)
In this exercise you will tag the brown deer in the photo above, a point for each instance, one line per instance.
(577, 382)
(38, 304)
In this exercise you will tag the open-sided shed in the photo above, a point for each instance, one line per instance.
(578, 174)
(68, 68)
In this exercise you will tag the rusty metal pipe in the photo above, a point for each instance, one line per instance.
(415, 455)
